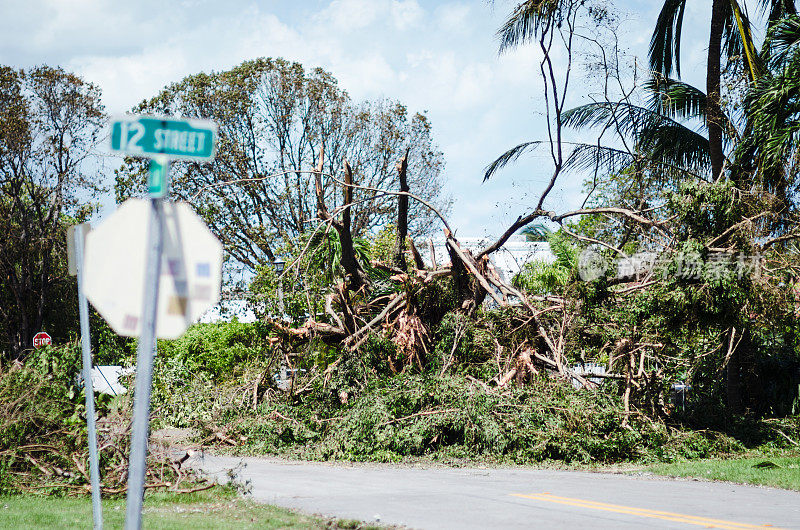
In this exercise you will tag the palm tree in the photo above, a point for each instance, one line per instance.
(729, 26)
(528, 19)
(768, 153)
(657, 135)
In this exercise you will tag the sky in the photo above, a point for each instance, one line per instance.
(436, 57)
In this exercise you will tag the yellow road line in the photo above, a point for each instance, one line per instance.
(642, 512)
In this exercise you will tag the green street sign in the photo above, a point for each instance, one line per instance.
(149, 136)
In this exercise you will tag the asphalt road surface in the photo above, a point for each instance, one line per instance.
(507, 497)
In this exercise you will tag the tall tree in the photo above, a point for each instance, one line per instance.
(641, 200)
(275, 119)
(49, 122)
(767, 155)
(730, 33)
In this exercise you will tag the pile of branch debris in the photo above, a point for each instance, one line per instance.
(43, 446)
(543, 327)
(353, 313)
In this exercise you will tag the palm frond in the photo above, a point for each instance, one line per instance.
(738, 38)
(592, 157)
(509, 156)
(691, 159)
(778, 9)
(526, 21)
(657, 138)
(624, 118)
(677, 145)
(595, 157)
(675, 98)
(773, 110)
(782, 40)
(665, 44)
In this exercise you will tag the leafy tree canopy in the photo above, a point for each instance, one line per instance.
(49, 122)
(275, 119)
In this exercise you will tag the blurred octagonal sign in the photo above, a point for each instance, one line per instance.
(115, 260)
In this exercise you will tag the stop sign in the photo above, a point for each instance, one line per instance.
(41, 339)
(115, 260)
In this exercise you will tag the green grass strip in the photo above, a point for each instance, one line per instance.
(779, 472)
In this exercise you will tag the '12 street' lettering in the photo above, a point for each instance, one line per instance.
(184, 141)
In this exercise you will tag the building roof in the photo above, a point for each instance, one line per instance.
(508, 260)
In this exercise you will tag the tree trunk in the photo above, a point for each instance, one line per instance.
(713, 72)
(469, 293)
(735, 393)
(354, 274)
(402, 215)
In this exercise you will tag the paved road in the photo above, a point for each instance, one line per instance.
(508, 497)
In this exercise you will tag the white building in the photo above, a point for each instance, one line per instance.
(508, 260)
(227, 310)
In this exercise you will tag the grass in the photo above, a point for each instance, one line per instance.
(204, 510)
(756, 470)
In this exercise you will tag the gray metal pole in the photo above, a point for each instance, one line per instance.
(88, 387)
(280, 297)
(137, 466)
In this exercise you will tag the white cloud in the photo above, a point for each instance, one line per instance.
(368, 74)
(406, 14)
(453, 18)
(350, 15)
(127, 79)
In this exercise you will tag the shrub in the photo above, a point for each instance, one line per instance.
(219, 351)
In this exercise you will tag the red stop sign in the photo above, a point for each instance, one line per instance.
(41, 339)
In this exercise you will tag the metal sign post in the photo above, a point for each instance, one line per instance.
(189, 277)
(137, 467)
(158, 177)
(78, 235)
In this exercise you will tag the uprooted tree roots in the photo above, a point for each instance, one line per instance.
(421, 297)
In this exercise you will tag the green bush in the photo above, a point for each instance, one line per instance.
(220, 350)
(42, 412)
(190, 372)
(461, 345)
(43, 432)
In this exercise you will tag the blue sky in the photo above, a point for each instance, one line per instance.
(438, 57)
